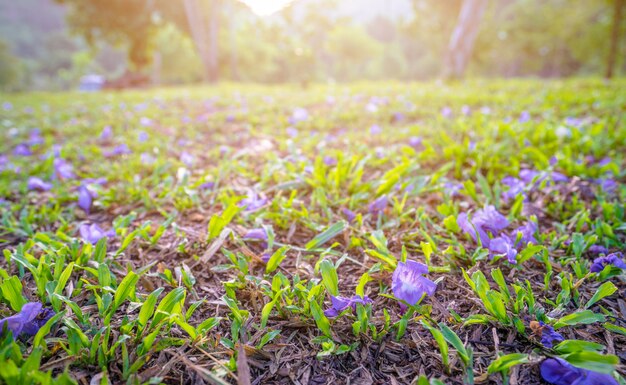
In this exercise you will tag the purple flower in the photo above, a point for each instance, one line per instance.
(63, 169)
(349, 214)
(613, 259)
(121, 149)
(452, 188)
(187, 158)
(253, 202)
(146, 122)
(608, 185)
(207, 186)
(503, 245)
(28, 321)
(466, 110)
(529, 175)
(516, 187)
(93, 233)
(446, 112)
(549, 335)
(398, 117)
(557, 371)
(142, 137)
(553, 160)
(292, 132)
(524, 117)
(106, 134)
(22, 150)
(37, 184)
(379, 205)
(416, 143)
(298, 115)
(483, 221)
(604, 161)
(7, 106)
(35, 137)
(375, 129)
(100, 181)
(330, 161)
(598, 249)
(409, 284)
(258, 234)
(339, 304)
(508, 245)
(146, 158)
(85, 198)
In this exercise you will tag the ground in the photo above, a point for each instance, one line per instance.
(341, 185)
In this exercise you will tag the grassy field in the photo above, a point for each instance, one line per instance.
(363, 234)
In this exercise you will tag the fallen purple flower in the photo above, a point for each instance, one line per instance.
(330, 161)
(38, 184)
(142, 137)
(298, 115)
(93, 233)
(121, 149)
(376, 129)
(608, 185)
(379, 205)
(349, 214)
(549, 336)
(613, 259)
(452, 188)
(557, 371)
(339, 304)
(524, 117)
(22, 150)
(106, 134)
(207, 186)
(28, 321)
(409, 284)
(63, 169)
(187, 158)
(483, 221)
(416, 143)
(252, 202)
(598, 249)
(85, 198)
(516, 187)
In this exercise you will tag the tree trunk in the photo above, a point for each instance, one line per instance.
(462, 40)
(615, 37)
(204, 32)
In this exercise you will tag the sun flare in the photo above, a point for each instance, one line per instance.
(266, 7)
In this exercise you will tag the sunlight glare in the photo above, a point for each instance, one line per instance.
(266, 7)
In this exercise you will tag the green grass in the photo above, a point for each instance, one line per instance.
(178, 294)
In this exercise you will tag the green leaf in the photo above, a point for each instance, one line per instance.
(328, 234)
(320, 319)
(455, 341)
(126, 287)
(329, 277)
(593, 361)
(503, 363)
(148, 307)
(615, 329)
(607, 289)
(276, 259)
(580, 317)
(441, 341)
(572, 346)
(12, 292)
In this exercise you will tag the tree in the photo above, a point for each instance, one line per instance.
(618, 7)
(135, 23)
(463, 38)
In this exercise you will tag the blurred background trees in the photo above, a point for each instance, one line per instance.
(50, 44)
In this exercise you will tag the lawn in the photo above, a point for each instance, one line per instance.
(375, 233)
